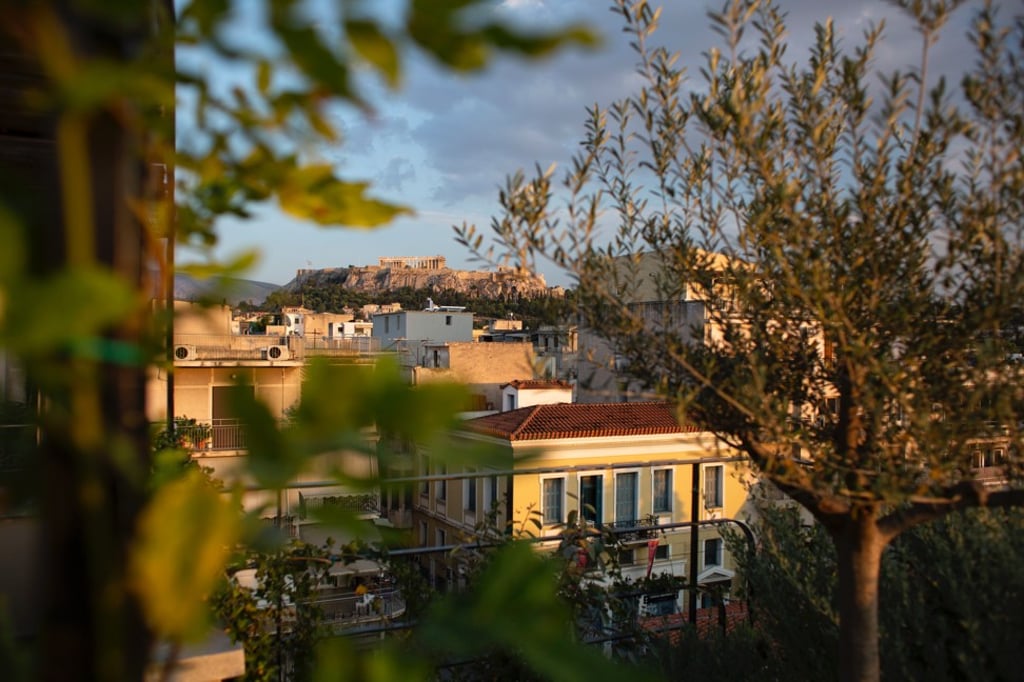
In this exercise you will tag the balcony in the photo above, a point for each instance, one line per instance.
(355, 346)
(635, 531)
(216, 434)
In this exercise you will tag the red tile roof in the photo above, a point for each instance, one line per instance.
(537, 383)
(580, 420)
(708, 621)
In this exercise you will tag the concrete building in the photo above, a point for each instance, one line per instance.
(520, 393)
(212, 366)
(482, 367)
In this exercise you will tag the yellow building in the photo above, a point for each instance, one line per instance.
(626, 467)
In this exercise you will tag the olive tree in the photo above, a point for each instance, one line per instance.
(852, 247)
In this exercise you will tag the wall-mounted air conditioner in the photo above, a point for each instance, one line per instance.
(276, 353)
(185, 352)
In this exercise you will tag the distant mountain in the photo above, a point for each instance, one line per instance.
(228, 289)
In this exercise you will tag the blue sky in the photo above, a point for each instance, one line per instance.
(444, 143)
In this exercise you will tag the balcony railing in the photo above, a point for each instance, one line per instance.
(216, 434)
(634, 530)
(344, 347)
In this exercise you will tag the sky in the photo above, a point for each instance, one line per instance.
(444, 143)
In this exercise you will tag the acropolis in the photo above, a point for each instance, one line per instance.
(417, 262)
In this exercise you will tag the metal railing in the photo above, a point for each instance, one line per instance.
(633, 530)
(216, 434)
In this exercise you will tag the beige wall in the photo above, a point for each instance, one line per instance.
(278, 387)
(192, 318)
(482, 367)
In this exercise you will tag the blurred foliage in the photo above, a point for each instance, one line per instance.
(128, 92)
(279, 622)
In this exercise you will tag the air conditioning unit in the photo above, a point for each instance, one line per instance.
(276, 353)
(185, 352)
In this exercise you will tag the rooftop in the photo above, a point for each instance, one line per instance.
(581, 420)
(537, 383)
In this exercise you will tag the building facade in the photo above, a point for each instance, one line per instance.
(625, 467)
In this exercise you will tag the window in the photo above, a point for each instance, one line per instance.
(553, 500)
(661, 552)
(660, 605)
(713, 552)
(442, 538)
(590, 498)
(387, 325)
(423, 533)
(448, 320)
(510, 401)
(627, 557)
(988, 458)
(625, 496)
(662, 494)
(442, 485)
(490, 492)
(469, 493)
(424, 471)
(713, 481)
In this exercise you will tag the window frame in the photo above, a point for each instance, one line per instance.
(469, 496)
(424, 485)
(491, 492)
(718, 553)
(636, 494)
(441, 486)
(561, 478)
(719, 498)
(600, 507)
(669, 490)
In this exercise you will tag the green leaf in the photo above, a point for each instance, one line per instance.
(313, 192)
(515, 608)
(376, 48)
(271, 461)
(185, 536)
(263, 76)
(61, 312)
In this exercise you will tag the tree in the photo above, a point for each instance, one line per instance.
(853, 253)
(278, 620)
(97, 190)
(947, 617)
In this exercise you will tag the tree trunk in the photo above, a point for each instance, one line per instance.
(859, 544)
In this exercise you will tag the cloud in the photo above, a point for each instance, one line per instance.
(397, 173)
(446, 142)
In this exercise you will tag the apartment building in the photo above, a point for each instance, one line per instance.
(626, 467)
(211, 366)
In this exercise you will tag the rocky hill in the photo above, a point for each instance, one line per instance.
(375, 279)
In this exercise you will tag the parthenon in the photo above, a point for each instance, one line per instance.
(418, 262)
